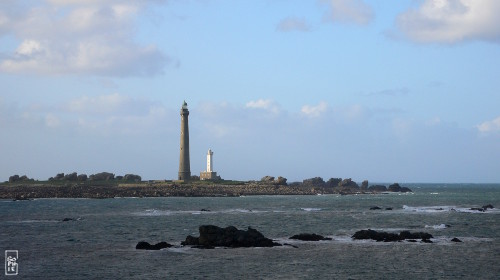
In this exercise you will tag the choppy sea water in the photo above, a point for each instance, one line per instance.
(100, 241)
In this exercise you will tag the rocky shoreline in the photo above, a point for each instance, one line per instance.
(26, 191)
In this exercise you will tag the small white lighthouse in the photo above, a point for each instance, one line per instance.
(209, 174)
(209, 160)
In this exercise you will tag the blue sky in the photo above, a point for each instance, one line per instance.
(389, 91)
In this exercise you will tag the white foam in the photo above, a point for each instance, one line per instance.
(440, 226)
(311, 209)
(180, 250)
(35, 221)
(440, 209)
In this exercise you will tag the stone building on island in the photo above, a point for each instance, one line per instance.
(209, 174)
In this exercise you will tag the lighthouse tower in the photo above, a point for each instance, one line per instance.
(209, 174)
(184, 166)
(209, 160)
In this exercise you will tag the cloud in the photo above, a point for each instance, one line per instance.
(451, 21)
(265, 104)
(349, 11)
(314, 111)
(103, 104)
(52, 121)
(490, 126)
(293, 24)
(78, 37)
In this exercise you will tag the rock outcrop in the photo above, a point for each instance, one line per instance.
(348, 183)
(377, 188)
(314, 182)
(17, 178)
(364, 185)
(103, 176)
(213, 236)
(397, 188)
(146, 246)
(309, 237)
(391, 237)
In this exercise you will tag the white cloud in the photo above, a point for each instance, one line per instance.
(104, 104)
(490, 126)
(349, 11)
(51, 120)
(452, 21)
(314, 111)
(265, 104)
(293, 24)
(78, 37)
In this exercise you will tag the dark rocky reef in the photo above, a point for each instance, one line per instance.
(146, 246)
(392, 237)
(483, 208)
(309, 237)
(397, 188)
(377, 188)
(213, 236)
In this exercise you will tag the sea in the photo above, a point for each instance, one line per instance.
(98, 241)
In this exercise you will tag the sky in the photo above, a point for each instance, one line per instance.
(388, 91)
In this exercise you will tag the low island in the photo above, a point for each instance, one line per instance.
(107, 185)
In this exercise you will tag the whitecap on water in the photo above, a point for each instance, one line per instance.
(440, 226)
(440, 209)
(311, 209)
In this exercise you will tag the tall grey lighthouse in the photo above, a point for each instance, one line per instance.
(184, 167)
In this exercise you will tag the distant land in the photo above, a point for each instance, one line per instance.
(107, 185)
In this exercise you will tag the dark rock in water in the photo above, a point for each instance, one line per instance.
(415, 235)
(489, 206)
(394, 188)
(388, 208)
(477, 209)
(427, 241)
(375, 235)
(190, 240)
(397, 188)
(146, 246)
(68, 219)
(21, 198)
(204, 210)
(390, 237)
(375, 208)
(309, 237)
(377, 188)
(456, 240)
(214, 236)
